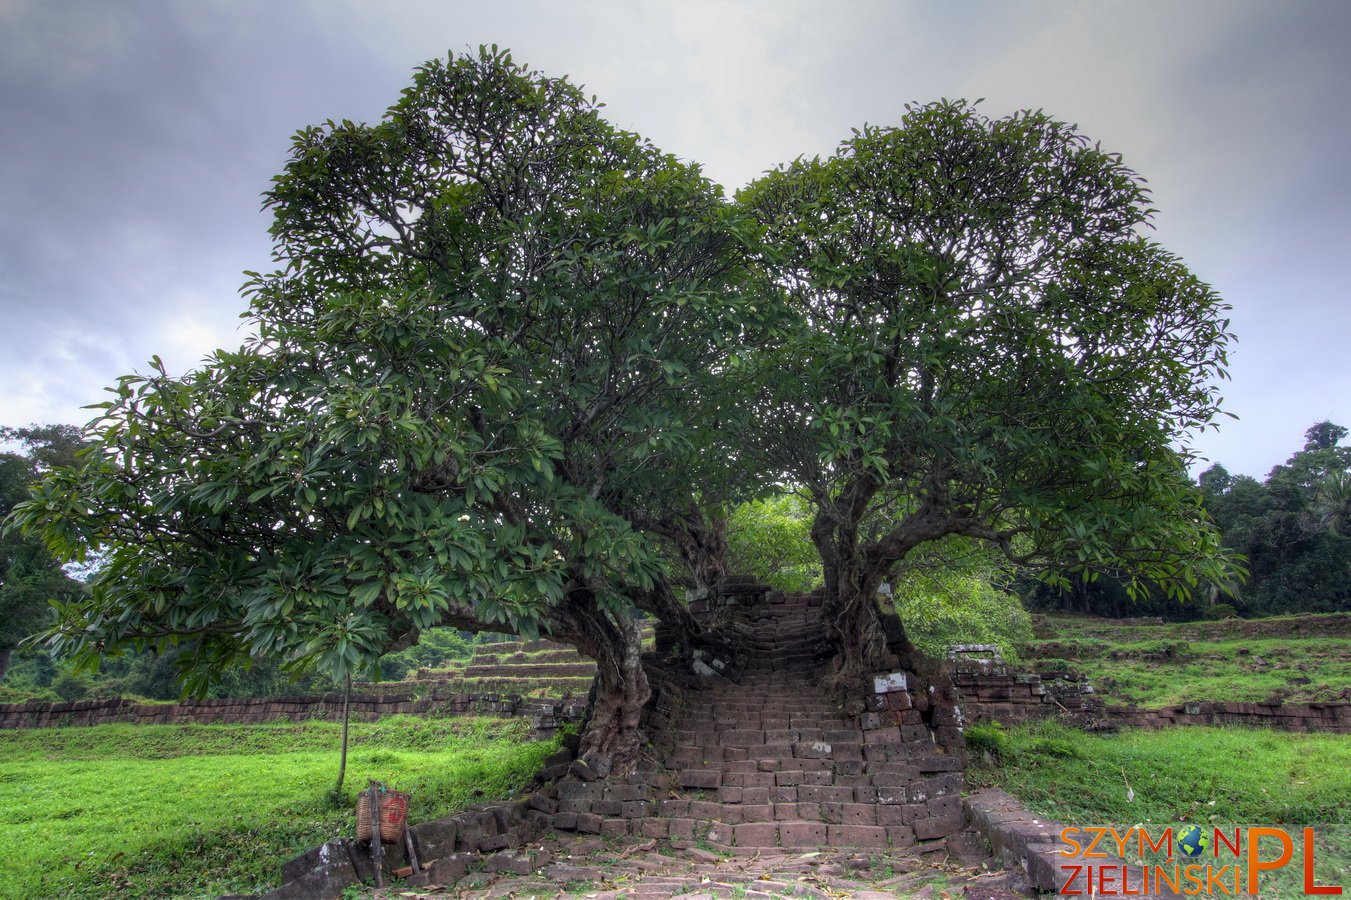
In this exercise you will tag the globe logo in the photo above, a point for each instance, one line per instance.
(1193, 841)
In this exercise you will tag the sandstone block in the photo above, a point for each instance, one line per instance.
(700, 778)
(938, 826)
(856, 835)
(756, 834)
(802, 834)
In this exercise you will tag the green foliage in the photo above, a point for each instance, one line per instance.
(499, 332)
(990, 741)
(770, 538)
(228, 803)
(508, 344)
(1293, 528)
(939, 610)
(435, 648)
(71, 686)
(935, 266)
(30, 579)
(948, 593)
(1178, 775)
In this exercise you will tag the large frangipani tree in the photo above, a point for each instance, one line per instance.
(988, 347)
(497, 323)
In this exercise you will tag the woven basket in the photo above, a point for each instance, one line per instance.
(393, 815)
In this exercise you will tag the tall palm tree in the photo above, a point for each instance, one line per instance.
(1332, 502)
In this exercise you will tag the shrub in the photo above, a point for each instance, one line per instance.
(989, 742)
(940, 609)
(771, 540)
(69, 686)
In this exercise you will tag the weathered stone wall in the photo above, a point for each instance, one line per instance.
(989, 690)
(1329, 717)
(547, 715)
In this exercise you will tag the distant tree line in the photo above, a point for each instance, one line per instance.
(30, 579)
(1294, 528)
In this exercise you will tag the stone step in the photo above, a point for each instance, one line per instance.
(720, 794)
(774, 720)
(769, 761)
(547, 670)
(874, 766)
(723, 702)
(794, 834)
(771, 637)
(729, 731)
(786, 719)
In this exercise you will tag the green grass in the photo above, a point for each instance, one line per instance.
(189, 811)
(1205, 776)
(1208, 661)
(1191, 774)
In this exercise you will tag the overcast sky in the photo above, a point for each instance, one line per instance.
(137, 136)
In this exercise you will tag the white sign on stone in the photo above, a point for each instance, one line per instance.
(886, 684)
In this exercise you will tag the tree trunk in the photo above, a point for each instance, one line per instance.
(706, 553)
(701, 543)
(662, 603)
(4, 661)
(613, 736)
(849, 607)
(346, 719)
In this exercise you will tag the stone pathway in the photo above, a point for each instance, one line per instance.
(771, 763)
(611, 868)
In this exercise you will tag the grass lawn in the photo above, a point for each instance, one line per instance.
(1291, 658)
(1205, 776)
(202, 810)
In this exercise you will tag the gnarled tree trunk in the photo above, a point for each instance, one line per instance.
(853, 573)
(849, 607)
(701, 542)
(662, 603)
(850, 611)
(704, 549)
(613, 735)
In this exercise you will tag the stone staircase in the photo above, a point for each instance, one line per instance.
(769, 761)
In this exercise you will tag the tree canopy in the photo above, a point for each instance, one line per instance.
(495, 339)
(1294, 528)
(987, 346)
(512, 355)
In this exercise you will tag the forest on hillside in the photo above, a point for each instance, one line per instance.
(1293, 528)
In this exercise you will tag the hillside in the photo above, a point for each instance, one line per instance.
(1149, 663)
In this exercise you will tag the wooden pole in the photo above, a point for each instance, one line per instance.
(346, 702)
(377, 839)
